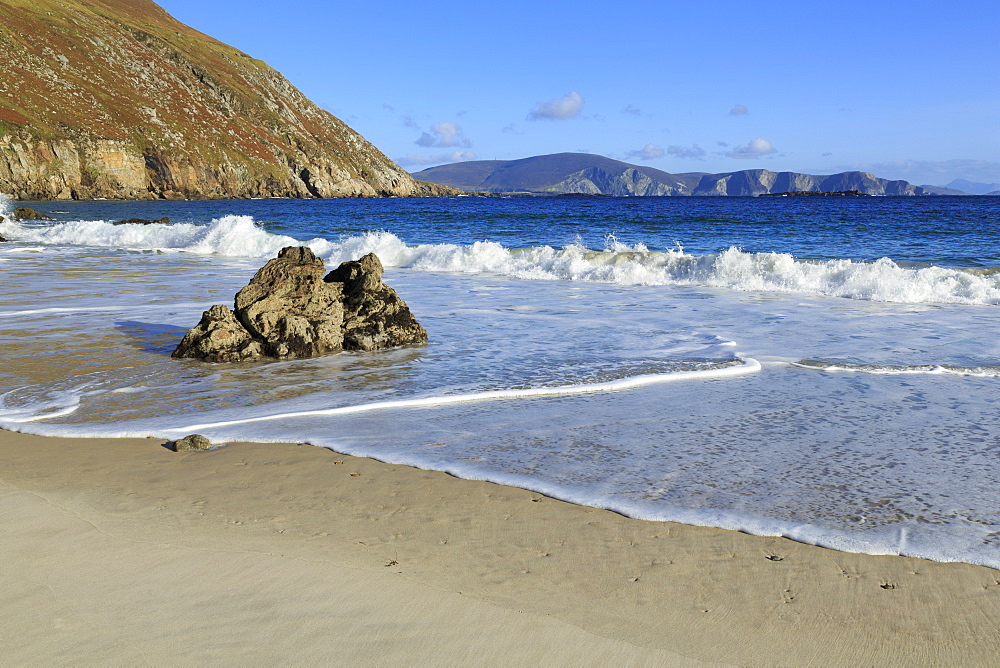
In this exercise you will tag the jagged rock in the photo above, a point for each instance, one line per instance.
(192, 443)
(290, 310)
(1, 219)
(24, 213)
(143, 221)
(219, 337)
(1, 238)
(374, 315)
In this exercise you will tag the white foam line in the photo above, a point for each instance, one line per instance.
(747, 367)
(929, 370)
(100, 309)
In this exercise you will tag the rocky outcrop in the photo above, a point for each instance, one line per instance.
(24, 213)
(142, 221)
(291, 310)
(116, 99)
(374, 316)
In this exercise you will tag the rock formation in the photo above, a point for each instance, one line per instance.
(117, 99)
(290, 310)
(142, 221)
(24, 213)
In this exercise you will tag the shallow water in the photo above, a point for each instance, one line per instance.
(836, 401)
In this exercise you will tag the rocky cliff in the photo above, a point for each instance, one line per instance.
(763, 181)
(117, 99)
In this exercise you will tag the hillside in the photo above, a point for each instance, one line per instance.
(115, 98)
(595, 174)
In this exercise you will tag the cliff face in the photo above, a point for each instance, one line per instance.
(115, 98)
(763, 181)
(625, 183)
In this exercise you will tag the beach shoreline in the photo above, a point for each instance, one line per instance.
(120, 550)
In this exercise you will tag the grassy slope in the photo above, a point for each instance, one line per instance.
(127, 70)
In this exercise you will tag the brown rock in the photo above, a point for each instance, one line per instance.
(289, 310)
(375, 317)
(143, 221)
(192, 443)
(24, 213)
(219, 337)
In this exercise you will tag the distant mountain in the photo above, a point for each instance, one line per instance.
(973, 188)
(938, 190)
(116, 98)
(584, 173)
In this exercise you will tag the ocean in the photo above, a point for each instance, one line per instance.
(825, 369)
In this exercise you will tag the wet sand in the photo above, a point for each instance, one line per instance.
(124, 552)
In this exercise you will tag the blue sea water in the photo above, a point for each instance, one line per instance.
(820, 368)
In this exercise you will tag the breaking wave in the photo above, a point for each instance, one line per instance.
(239, 236)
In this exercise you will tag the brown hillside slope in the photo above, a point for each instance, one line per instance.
(116, 98)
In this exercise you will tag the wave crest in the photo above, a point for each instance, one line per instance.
(239, 236)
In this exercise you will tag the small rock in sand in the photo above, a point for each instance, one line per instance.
(192, 443)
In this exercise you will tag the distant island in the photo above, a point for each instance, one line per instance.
(586, 173)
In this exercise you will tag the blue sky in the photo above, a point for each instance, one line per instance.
(906, 90)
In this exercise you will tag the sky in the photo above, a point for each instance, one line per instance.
(907, 90)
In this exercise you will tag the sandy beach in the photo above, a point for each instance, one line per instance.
(124, 552)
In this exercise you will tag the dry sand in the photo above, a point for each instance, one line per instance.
(123, 552)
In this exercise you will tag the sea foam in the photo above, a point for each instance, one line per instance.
(239, 236)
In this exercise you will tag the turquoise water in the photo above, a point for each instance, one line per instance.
(820, 368)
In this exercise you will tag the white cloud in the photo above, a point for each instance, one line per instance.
(632, 110)
(412, 160)
(445, 135)
(739, 110)
(693, 152)
(647, 152)
(755, 149)
(388, 107)
(408, 121)
(569, 106)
